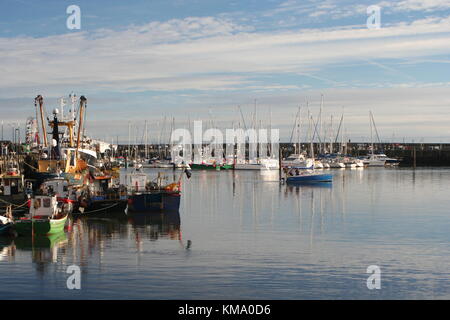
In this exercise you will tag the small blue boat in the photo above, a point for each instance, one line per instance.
(307, 176)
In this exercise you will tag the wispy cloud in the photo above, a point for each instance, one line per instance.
(203, 54)
(417, 5)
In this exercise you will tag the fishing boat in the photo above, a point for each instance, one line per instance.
(65, 195)
(12, 188)
(45, 217)
(153, 196)
(165, 200)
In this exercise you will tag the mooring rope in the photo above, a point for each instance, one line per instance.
(14, 205)
(102, 209)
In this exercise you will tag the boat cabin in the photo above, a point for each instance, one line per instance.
(58, 186)
(11, 185)
(135, 182)
(43, 206)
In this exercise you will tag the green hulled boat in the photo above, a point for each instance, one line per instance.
(45, 217)
(44, 227)
(204, 166)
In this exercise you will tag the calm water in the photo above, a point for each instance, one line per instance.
(240, 235)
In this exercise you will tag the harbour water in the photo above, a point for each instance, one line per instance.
(240, 235)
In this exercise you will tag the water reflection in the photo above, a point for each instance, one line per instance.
(239, 235)
(88, 237)
(43, 250)
(7, 249)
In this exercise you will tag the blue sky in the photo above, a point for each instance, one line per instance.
(146, 60)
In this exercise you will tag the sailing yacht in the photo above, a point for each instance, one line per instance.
(379, 159)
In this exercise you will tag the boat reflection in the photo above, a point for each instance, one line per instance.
(44, 249)
(155, 226)
(7, 249)
(306, 185)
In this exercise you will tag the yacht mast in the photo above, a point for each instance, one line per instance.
(310, 137)
(371, 134)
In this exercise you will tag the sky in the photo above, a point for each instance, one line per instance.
(150, 60)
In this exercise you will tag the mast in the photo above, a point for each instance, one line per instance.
(320, 131)
(62, 103)
(146, 140)
(297, 149)
(331, 134)
(269, 140)
(129, 139)
(371, 135)
(343, 133)
(243, 119)
(40, 100)
(80, 125)
(55, 150)
(73, 99)
(310, 136)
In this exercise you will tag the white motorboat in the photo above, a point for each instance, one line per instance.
(375, 160)
(298, 161)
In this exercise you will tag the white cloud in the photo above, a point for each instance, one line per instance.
(419, 5)
(202, 53)
(217, 56)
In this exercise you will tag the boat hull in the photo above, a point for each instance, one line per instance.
(154, 202)
(6, 229)
(375, 163)
(247, 166)
(310, 178)
(196, 166)
(26, 227)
